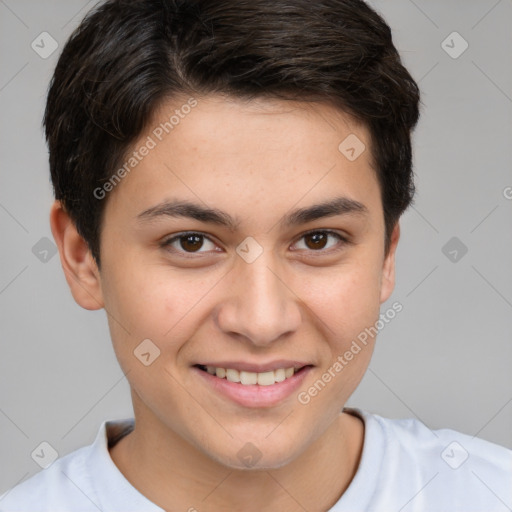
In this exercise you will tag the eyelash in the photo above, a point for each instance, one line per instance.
(167, 242)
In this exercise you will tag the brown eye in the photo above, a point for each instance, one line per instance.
(318, 241)
(191, 242)
(188, 243)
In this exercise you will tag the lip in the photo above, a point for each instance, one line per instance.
(257, 367)
(254, 395)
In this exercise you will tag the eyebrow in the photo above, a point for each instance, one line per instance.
(183, 208)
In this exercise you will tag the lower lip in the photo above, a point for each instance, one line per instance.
(255, 395)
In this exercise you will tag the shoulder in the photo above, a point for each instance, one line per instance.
(65, 481)
(413, 437)
(84, 480)
(439, 468)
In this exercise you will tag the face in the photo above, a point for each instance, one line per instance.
(245, 240)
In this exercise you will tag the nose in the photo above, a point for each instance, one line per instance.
(259, 305)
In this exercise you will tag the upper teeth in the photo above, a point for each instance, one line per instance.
(248, 378)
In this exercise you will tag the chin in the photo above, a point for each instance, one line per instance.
(256, 456)
(261, 464)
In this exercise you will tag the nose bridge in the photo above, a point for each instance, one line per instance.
(264, 288)
(261, 306)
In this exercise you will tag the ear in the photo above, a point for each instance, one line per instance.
(388, 269)
(79, 267)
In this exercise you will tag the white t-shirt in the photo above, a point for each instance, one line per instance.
(404, 467)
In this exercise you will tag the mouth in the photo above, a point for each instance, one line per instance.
(248, 378)
(265, 388)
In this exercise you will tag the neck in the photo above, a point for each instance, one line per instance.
(175, 475)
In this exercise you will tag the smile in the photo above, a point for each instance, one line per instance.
(250, 378)
(253, 388)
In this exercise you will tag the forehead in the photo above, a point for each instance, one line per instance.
(217, 148)
(258, 120)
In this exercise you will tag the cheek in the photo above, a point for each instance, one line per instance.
(347, 303)
(347, 299)
(158, 304)
(135, 305)
(150, 299)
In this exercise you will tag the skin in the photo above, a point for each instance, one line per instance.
(256, 161)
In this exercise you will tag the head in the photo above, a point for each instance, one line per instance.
(254, 111)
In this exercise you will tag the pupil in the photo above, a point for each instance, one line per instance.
(194, 245)
(318, 240)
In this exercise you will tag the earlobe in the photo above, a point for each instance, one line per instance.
(388, 270)
(80, 269)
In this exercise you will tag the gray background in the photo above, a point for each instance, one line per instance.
(444, 359)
